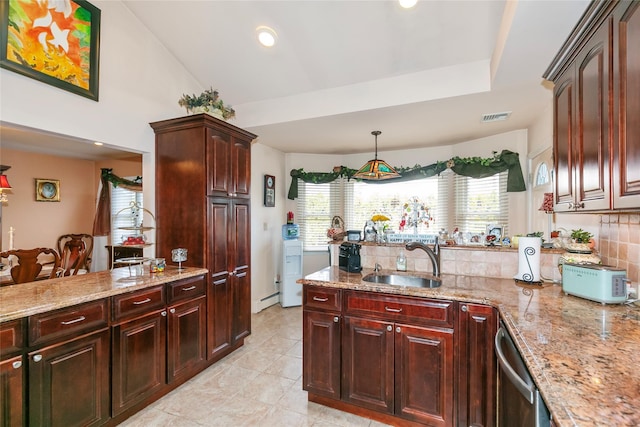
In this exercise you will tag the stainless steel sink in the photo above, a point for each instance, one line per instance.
(401, 280)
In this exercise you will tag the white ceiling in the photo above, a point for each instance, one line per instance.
(423, 76)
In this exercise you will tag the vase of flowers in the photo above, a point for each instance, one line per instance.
(208, 102)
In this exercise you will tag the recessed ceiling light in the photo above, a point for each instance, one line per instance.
(97, 143)
(407, 4)
(266, 36)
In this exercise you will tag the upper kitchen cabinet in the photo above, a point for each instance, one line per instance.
(594, 157)
(626, 106)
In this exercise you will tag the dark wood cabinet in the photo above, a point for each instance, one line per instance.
(12, 391)
(626, 105)
(69, 382)
(12, 373)
(203, 177)
(186, 338)
(477, 369)
(596, 148)
(321, 341)
(138, 359)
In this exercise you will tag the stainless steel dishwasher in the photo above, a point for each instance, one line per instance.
(519, 401)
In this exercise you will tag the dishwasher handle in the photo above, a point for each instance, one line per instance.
(528, 391)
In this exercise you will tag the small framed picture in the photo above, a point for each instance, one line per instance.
(269, 191)
(47, 190)
(494, 234)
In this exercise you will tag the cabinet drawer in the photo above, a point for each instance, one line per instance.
(186, 289)
(407, 309)
(68, 321)
(322, 298)
(140, 302)
(11, 336)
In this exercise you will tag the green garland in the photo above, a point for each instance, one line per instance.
(474, 167)
(107, 175)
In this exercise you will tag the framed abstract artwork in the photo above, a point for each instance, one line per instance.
(55, 42)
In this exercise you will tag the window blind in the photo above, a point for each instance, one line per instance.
(317, 204)
(479, 202)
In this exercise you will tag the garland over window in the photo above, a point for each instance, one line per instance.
(474, 167)
(102, 221)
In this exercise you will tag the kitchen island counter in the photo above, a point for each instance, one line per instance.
(584, 356)
(27, 299)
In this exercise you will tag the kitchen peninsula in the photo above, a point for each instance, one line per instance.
(583, 356)
(114, 340)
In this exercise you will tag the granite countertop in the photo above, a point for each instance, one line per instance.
(584, 356)
(26, 299)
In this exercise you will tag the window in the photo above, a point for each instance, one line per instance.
(542, 175)
(481, 201)
(469, 204)
(363, 200)
(317, 205)
(121, 198)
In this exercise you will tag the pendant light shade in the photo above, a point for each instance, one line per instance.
(4, 182)
(376, 169)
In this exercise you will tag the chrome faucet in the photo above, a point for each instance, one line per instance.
(434, 254)
(377, 268)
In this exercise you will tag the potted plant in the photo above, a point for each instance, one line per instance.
(581, 241)
(207, 102)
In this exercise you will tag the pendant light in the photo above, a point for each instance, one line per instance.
(376, 169)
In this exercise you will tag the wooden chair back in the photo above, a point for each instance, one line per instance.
(76, 242)
(28, 263)
(72, 258)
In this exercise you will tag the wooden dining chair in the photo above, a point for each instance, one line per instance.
(72, 258)
(78, 240)
(26, 264)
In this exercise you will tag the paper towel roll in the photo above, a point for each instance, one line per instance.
(529, 259)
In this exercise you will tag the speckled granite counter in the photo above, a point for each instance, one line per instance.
(584, 356)
(26, 299)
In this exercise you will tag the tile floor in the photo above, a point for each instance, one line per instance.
(259, 384)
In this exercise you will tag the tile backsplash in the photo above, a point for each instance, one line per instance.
(619, 242)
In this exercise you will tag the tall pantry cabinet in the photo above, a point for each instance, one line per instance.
(203, 182)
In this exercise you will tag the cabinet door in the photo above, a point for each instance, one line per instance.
(186, 338)
(219, 163)
(368, 371)
(219, 297)
(241, 168)
(563, 146)
(240, 237)
(321, 353)
(424, 367)
(69, 382)
(138, 360)
(626, 69)
(12, 392)
(593, 122)
(477, 372)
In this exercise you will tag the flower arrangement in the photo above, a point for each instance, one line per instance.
(207, 102)
(379, 217)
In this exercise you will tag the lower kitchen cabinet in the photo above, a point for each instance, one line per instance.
(12, 389)
(477, 365)
(405, 360)
(321, 370)
(69, 382)
(138, 359)
(186, 338)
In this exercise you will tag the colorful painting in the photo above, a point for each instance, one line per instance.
(54, 41)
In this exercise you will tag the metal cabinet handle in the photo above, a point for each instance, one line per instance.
(144, 301)
(164, 313)
(336, 319)
(571, 206)
(232, 273)
(389, 328)
(393, 310)
(190, 288)
(320, 299)
(173, 310)
(398, 330)
(580, 205)
(69, 322)
(525, 389)
(37, 357)
(464, 308)
(17, 364)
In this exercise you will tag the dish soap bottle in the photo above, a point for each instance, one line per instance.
(401, 261)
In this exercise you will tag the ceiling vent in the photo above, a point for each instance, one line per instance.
(495, 117)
